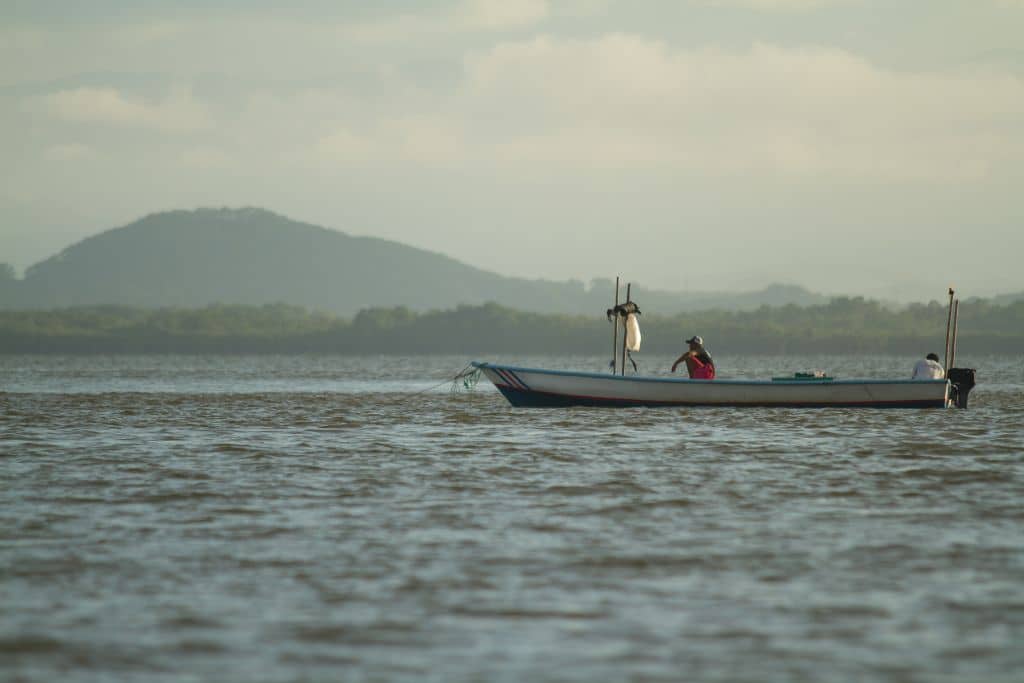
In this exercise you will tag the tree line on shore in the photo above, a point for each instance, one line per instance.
(844, 325)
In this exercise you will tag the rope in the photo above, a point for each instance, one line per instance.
(468, 376)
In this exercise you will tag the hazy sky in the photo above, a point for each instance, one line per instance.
(857, 146)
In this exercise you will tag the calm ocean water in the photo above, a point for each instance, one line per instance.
(315, 518)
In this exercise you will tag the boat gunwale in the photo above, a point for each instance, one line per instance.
(680, 380)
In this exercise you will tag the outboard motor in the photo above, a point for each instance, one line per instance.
(962, 381)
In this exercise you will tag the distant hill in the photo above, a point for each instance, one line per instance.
(252, 256)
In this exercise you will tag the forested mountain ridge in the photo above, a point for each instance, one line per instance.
(252, 256)
(242, 256)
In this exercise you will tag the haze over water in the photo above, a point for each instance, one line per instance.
(317, 518)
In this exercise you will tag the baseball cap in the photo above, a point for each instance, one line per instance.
(695, 339)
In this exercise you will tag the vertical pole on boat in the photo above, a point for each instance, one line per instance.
(615, 329)
(952, 344)
(629, 286)
(949, 322)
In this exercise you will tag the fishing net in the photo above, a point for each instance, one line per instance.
(465, 380)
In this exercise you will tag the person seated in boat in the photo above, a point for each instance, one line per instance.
(929, 368)
(698, 360)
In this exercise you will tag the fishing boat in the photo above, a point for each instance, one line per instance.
(536, 387)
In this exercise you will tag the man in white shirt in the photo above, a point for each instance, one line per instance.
(929, 368)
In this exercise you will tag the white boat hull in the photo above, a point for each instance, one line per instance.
(534, 387)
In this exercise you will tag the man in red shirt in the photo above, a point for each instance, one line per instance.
(698, 360)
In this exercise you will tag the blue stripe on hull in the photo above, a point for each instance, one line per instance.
(539, 399)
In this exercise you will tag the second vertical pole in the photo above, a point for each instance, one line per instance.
(629, 286)
(952, 343)
(949, 322)
(615, 328)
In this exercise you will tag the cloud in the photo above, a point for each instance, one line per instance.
(493, 14)
(205, 157)
(67, 152)
(423, 140)
(776, 5)
(627, 100)
(624, 101)
(345, 145)
(616, 101)
(179, 111)
(467, 16)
